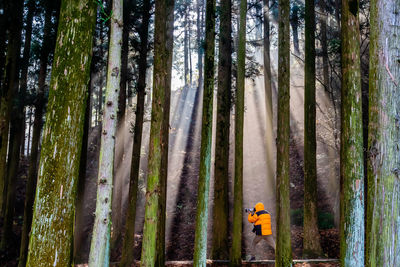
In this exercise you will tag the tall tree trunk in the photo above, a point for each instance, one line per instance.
(200, 246)
(311, 241)
(53, 220)
(158, 150)
(8, 90)
(100, 244)
(129, 239)
(117, 216)
(294, 21)
(383, 201)
(221, 175)
(17, 133)
(160, 261)
(236, 252)
(351, 148)
(283, 252)
(270, 136)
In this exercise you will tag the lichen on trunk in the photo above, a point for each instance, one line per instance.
(383, 196)
(53, 219)
(159, 131)
(351, 148)
(100, 244)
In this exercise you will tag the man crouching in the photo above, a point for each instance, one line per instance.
(262, 227)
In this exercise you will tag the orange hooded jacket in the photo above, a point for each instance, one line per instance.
(261, 220)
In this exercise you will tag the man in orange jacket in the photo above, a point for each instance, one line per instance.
(262, 226)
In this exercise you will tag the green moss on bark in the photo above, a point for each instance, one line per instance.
(383, 197)
(220, 229)
(351, 150)
(200, 246)
(154, 223)
(283, 252)
(52, 229)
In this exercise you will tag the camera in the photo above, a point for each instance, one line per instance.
(249, 210)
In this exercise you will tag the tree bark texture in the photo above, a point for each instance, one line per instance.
(351, 148)
(160, 260)
(52, 229)
(283, 252)
(383, 200)
(159, 131)
(200, 246)
(127, 258)
(236, 252)
(100, 244)
(8, 90)
(117, 205)
(311, 241)
(220, 249)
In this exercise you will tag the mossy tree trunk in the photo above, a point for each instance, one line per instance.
(200, 246)
(160, 260)
(17, 133)
(220, 232)
(383, 200)
(129, 239)
(311, 241)
(236, 252)
(159, 131)
(8, 90)
(100, 244)
(351, 148)
(53, 220)
(283, 252)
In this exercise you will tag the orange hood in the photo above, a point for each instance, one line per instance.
(259, 206)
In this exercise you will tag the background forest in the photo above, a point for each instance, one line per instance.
(135, 132)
